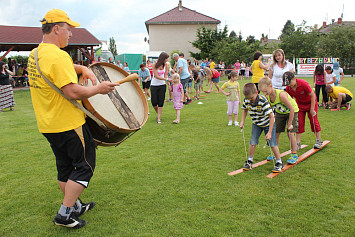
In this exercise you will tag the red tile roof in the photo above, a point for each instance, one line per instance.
(27, 38)
(186, 16)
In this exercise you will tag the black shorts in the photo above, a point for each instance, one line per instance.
(348, 98)
(242, 72)
(146, 85)
(158, 95)
(75, 154)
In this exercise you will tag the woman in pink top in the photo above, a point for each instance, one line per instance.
(157, 85)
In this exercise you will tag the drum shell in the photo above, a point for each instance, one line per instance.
(118, 132)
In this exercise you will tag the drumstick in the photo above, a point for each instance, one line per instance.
(131, 77)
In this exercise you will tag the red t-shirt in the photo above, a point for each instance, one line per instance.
(215, 74)
(150, 67)
(301, 94)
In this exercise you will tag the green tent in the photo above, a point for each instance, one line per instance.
(133, 60)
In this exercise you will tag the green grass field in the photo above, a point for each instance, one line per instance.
(171, 179)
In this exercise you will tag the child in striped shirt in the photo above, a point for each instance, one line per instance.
(263, 120)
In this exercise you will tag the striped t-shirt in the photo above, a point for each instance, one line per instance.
(259, 111)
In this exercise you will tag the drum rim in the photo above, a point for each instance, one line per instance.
(92, 110)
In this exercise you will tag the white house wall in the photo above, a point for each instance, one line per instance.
(168, 37)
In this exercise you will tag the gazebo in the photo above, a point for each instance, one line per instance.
(20, 38)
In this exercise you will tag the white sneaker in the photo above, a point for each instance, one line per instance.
(148, 98)
(230, 123)
(236, 123)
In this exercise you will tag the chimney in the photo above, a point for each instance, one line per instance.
(340, 21)
(324, 24)
(180, 5)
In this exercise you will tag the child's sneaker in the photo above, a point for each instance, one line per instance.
(248, 165)
(293, 159)
(326, 106)
(298, 146)
(337, 109)
(72, 222)
(230, 123)
(236, 123)
(348, 106)
(318, 144)
(270, 158)
(278, 167)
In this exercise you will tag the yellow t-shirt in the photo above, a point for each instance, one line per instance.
(339, 89)
(212, 64)
(233, 88)
(258, 72)
(53, 112)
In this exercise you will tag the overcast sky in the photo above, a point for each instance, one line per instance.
(125, 19)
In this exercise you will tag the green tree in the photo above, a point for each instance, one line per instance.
(301, 43)
(339, 43)
(229, 51)
(250, 39)
(207, 40)
(233, 35)
(113, 47)
(288, 29)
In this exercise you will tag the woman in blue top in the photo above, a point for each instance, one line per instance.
(144, 76)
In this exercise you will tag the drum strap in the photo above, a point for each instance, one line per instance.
(74, 102)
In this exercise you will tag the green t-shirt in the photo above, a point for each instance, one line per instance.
(279, 106)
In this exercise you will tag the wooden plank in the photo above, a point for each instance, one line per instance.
(300, 159)
(263, 162)
(116, 99)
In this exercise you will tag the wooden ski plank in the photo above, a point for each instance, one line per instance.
(300, 159)
(263, 162)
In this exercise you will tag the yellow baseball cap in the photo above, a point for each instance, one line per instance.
(57, 15)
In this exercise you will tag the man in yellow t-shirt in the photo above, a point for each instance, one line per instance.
(212, 65)
(61, 122)
(341, 95)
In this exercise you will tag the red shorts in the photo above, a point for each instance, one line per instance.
(315, 126)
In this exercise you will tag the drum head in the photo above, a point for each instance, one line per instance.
(130, 96)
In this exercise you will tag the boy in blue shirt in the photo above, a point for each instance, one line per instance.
(263, 120)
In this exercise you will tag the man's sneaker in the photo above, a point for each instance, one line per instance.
(348, 106)
(248, 165)
(326, 106)
(298, 146)
(236, 123)
(337, 109)
(270, 158)
(293, 159)
(72, 222)
(230, 123)
(278, 167)
(85, 207)
(318, 144)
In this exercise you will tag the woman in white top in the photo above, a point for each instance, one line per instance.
(157, 85)
(278, 68)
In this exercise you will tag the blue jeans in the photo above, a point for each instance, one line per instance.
(256, 132)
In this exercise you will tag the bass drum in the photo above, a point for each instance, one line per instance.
(123, 111)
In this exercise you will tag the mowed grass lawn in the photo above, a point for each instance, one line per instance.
(171, 179)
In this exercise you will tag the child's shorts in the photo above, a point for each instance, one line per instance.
(281, 121)
(256, 132)
(189, 84)
(197, 85)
